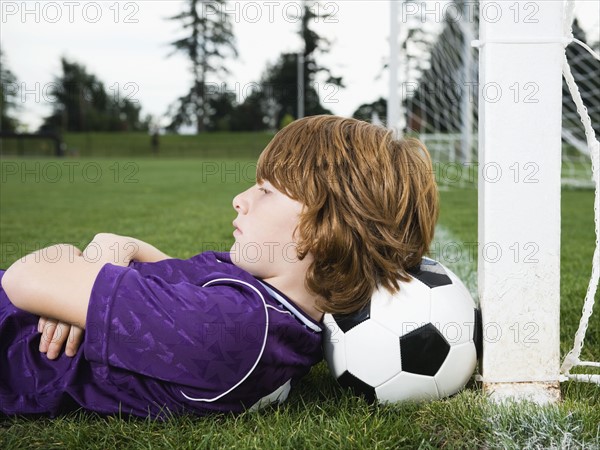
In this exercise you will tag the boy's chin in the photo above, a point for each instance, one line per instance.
(239, 261)
(247, 267)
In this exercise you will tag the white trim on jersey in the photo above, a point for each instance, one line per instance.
(300, 316)
(262, 350)
(280, 311)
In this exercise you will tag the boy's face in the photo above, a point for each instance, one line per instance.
(264, 232)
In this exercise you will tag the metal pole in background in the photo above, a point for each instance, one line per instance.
(300, 112)
(393, 104)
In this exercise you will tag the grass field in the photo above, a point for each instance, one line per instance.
(137, 144)
(183, 206)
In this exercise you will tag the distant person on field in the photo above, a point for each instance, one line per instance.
(155, 142)
(339, 207)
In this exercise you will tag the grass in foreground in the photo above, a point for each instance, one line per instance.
(172, 205)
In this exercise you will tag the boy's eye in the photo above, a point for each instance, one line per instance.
(262, 189)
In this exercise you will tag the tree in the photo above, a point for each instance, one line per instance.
(250, 115)
(210, 36)
(81, 103)
(280, 84)
(314, 43)
(278, 96)
(9, 90)
(221, 107)
(365, 111)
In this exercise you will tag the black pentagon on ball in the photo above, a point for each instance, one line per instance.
(431, 273)
(358, 387)
(423, 351)
(348, 321)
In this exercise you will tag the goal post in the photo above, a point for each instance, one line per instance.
(520, 102)
(393, 103)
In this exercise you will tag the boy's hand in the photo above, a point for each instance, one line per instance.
(121, 250)
(55, 334)
(111, 248)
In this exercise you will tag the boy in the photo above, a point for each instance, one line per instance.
(339, 207)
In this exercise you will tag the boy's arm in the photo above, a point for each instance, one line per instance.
(124, 249)
(148, 253)
(57, 281)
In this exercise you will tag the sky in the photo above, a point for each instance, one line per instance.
(126, 45)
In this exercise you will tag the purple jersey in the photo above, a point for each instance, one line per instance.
(195, 335)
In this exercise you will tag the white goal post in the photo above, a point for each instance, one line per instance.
(519, 199)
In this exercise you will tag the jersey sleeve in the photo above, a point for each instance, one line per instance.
(180, 332)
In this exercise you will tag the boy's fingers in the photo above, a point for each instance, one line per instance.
(48, 328)
(41, 324)
(74, 341)
(55, 334)
(61, 333)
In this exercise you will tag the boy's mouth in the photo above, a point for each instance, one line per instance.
(237, 229)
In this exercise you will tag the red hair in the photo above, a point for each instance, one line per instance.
(370, 204)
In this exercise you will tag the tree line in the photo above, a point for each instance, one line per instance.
(82, 102)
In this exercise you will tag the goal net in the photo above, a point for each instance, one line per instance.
(439, 95)
(29, 144)
(588, 118)
(439, 89)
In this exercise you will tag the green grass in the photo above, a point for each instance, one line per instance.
(183, 206)
(207, 145)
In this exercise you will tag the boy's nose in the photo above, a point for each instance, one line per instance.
(240, 203)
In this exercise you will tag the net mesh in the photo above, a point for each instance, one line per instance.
(440, 92)
(593, 149)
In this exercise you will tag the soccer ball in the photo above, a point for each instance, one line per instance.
(422, 342)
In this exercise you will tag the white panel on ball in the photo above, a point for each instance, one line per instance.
(453, 313)
(456, 370)
(411, 303)
(407, 386)
(335, 351)
(375, 353)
